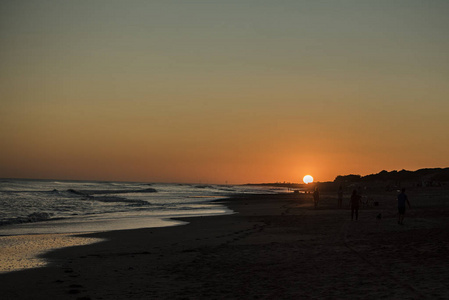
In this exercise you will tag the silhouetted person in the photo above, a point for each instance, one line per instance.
(340, 197)
(355, 201)
(316, 197)
(402, 199)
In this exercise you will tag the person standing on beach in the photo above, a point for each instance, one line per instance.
(340, 197)
(355, 201)
(402, 199)
(316, 197)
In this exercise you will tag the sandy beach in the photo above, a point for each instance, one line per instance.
(273, 247)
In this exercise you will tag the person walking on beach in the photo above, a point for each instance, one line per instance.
(402, 199)
(340, 197)
(355, 201)
(316, 197)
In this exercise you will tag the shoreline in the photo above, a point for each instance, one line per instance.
(275, 246)
(23, 246)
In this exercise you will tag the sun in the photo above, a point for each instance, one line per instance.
(308, 179)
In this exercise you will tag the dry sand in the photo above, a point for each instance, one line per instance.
(275, 247)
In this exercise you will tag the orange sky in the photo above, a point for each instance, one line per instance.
(235, 91)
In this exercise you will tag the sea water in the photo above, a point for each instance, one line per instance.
(48, 206)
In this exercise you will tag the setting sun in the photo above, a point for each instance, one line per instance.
(308, 179)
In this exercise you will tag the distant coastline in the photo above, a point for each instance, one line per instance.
(427, 177)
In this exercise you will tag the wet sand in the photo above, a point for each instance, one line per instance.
(20, 252)
(275, 247)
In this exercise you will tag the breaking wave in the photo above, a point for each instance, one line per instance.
(112, 199)
(31, 218)
(88, 193)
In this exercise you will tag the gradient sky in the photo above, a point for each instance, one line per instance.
(215, 91)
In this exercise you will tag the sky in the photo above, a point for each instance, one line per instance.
(222, 91)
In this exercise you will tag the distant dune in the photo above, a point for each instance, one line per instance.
(424, 177)
(428, 177)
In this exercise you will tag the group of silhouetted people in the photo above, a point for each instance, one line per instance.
(356, 199)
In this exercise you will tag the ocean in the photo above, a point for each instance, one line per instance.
(49, 206)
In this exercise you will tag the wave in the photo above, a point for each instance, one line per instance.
(88, 195)
(204, 187)
(112, 199)
(31, 218)
(105, 192)
(226, 189)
